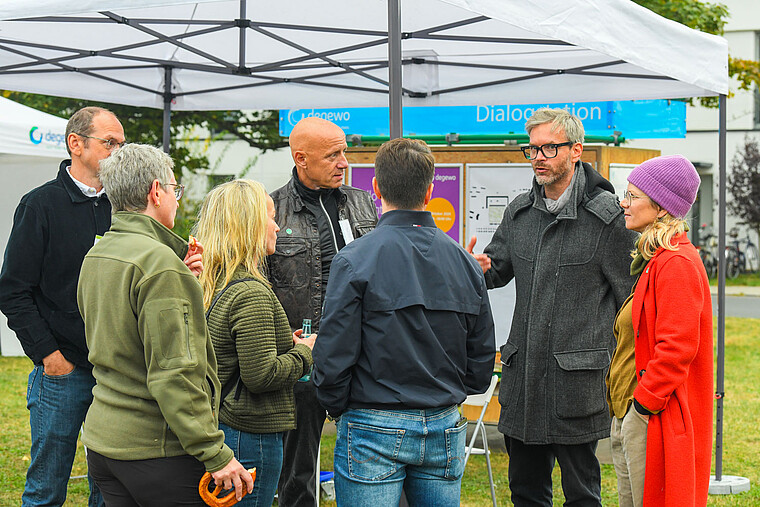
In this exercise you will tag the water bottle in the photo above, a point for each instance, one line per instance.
(306, 327)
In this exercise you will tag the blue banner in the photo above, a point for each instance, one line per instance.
(640, 119)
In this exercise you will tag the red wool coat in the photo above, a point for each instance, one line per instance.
(672, 318)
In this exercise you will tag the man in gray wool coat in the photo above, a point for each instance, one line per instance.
(565, 244)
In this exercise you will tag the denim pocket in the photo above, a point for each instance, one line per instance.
(63, 376)
(373, 451)
(32, 379)
(455, 452)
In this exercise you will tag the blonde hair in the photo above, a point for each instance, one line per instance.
(232, 225)
(659, 234)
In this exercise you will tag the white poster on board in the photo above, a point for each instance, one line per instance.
(490, 189)
(619, 177)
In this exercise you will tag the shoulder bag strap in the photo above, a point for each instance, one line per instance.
(236, 374)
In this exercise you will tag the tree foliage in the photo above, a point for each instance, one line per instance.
(260, 129)
(744, 183)
(711, 18)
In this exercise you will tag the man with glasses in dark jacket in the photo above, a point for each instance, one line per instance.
(566, 246)
(318, 215)
(53, 228)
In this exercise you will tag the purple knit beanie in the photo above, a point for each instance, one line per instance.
(671, 181)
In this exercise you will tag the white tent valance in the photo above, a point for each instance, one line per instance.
(298, 54)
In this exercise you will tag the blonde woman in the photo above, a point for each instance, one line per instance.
(259, 359)
(661, 376)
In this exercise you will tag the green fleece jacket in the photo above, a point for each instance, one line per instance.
(151, 353)
(250, 332)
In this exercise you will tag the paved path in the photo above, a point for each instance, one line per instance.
(737, 291)
(740, 301)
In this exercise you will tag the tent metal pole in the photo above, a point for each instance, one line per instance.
(167, 107)
(722, 484)
(721, 288)
(394, 68)
(243, 28)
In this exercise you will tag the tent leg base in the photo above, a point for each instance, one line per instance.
(728, 485)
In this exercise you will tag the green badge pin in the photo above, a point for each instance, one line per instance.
(289, 230)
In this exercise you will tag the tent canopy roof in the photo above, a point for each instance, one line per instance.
(299, 54)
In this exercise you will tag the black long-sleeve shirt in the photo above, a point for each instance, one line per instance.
(407, 322)
(323, 204)
(53, 228)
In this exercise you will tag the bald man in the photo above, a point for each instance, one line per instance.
(318, 215)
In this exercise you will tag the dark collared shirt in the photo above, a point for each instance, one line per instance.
(407, 322)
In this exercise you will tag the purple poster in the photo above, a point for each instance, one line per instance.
(446, 204)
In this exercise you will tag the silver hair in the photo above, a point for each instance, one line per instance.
(81, 123)
(560, 119)
(129, 172)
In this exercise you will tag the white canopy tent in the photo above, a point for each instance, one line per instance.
(31, 145)
(274, 54)
(26, 131)
(205, 55)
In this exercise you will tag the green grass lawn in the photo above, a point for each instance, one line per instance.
(741, 455)
(743, 280)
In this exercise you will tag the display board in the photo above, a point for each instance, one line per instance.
(445, 206)
(619, 177)
(490, 189)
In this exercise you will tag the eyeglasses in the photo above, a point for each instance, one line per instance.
(549, 150)
(628, 196)
(110, 144)
(179, 190)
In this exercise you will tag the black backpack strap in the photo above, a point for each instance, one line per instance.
(236, 374)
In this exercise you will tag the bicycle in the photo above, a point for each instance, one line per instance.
(708, 250)
(740, 260)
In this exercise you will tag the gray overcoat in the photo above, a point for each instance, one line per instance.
(571, 275)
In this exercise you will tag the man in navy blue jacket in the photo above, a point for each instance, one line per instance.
(53, 228)
(406, 335)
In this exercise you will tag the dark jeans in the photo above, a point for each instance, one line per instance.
(166, 482)
(297, 486)
(57, 406)
(530, 473)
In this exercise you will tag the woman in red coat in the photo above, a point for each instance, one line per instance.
(671, 316)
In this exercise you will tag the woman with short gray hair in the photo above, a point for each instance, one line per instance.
(129, 173)
(152, 429)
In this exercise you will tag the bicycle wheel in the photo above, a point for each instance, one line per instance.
(733, 268)
(711, 266)
(752, 259)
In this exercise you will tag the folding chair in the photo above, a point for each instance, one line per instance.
(482, 400)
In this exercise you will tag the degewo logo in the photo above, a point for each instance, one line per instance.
(37, 137)
(335, 116)
(32, 138)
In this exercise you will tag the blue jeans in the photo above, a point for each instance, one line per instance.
(260, 450)
(57, 407)
(379, 452)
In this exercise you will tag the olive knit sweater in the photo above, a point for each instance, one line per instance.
(249, 329)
